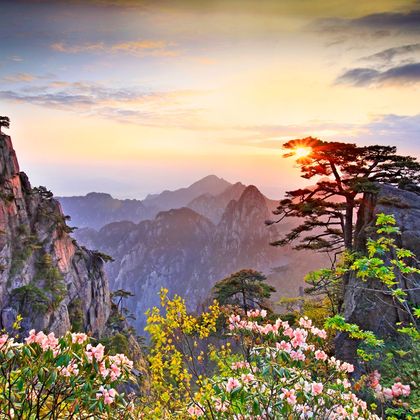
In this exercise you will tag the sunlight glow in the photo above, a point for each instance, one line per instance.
(301, 152)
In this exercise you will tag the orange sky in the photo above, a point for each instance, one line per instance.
(135, 97)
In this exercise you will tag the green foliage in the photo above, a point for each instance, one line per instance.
(51, 280)
(338, 323)
(30, 300)
(117, 343)
(75, 308)
(43, 192)
(104, 257)
(387, 262)
(245, 288)
(4, 122)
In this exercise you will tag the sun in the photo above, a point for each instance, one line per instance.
(302, 152)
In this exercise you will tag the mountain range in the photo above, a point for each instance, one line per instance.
(188, 239)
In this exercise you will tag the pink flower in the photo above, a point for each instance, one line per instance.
(78, 338)
(305, 322)
(318, 332)
(316, 388)
(284, 346)
(3, 339)
(239, 365)
(121, 360)
(297, 355)
(289, 332)
(103, 370)
(387, 393)
(399, 389)
(71, 369)
(298, 338)
(31, 337)
(320, 355)
(115, 372)
(108, 395)
(232, 383)
(193, 410)
(247, 378)
(95, 352)
(347, 367)
(268, 328)
(289, 395)
(220, 406)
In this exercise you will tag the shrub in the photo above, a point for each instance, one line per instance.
(67, 377)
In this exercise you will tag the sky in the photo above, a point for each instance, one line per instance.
(134, 97)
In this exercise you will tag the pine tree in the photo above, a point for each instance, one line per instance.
(346, 171)
(4, 122)
(245, 288)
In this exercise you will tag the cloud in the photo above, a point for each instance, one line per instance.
(380, 24)
(127, 105)
(396, 52)
(15, 58)
(20, 77)
(140, 48)
(406, 74)
(402, 131)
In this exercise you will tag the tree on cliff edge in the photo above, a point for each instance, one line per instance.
(4, 122)
(346, 171)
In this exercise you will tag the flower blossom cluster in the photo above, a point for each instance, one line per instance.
(108, 395)
(71, 369)
(116, 364)
(397, 390)
(95, 352)
(281, 367)
(47, 342)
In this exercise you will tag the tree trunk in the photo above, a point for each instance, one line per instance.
(348, 227)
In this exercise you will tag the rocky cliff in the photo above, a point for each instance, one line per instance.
(44, 274)
(364, 303)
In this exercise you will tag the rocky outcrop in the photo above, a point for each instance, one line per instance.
(45, 275)
(364, 304)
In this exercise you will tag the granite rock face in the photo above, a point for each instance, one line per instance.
(364, 303)
(44, 274)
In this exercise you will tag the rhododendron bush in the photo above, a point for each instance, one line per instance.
(262, 369)
(283, 373)
(67, 377)
(265, 370)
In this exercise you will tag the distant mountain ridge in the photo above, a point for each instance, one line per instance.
(187, 252)
(95, 210)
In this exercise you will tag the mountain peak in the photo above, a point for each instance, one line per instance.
(252, 193)
(211, 182)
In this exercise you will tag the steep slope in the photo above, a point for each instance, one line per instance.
(45, 275)
(213, 206)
